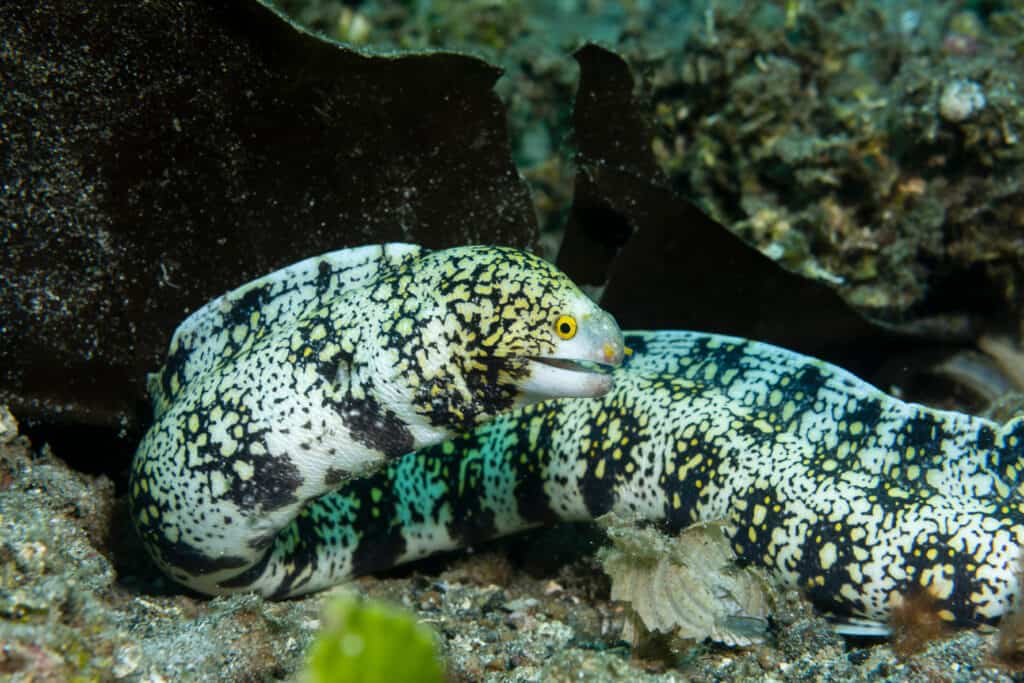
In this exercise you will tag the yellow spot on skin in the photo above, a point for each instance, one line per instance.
(628, 351)
(710, 370)
(327, 353)
(243, 469)
(318, 332)
(599, 470)
(193, 423)
(494, 338)
(238, 334)
(760, 512)
(218, 484)
(676, 503)
(827, 555)
(752, 535)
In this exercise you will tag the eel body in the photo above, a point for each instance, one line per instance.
(831, 485)
(281, 390)
(277, 396)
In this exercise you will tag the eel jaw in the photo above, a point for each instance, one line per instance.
(564, 378)
(579, 367)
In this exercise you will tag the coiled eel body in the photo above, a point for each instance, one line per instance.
(831, 485)
(281, 390)
(276, 396)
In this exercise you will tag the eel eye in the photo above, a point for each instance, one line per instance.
(565, 327)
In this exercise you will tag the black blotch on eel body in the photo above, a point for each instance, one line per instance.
(184, 556)
(273, 484)
(334, 476)
(376, 427)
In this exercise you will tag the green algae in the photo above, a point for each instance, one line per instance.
(370, 641)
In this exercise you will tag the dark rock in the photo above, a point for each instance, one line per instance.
(158, 154)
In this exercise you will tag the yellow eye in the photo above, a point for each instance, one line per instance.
(565, 327)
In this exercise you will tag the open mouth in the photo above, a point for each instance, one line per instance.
(573, 365)
(564, 377)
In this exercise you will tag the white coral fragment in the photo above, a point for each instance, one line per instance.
(689, 584)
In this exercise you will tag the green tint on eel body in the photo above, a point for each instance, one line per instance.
(281, 390)
(831, 485)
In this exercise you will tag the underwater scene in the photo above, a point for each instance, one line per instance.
(511, 340)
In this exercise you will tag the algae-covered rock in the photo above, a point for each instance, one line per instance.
(70, 611)
(886, 136)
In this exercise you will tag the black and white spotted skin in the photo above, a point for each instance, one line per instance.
(284, 388)
(831, 485)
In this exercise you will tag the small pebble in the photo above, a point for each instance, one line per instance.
(961, 100)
